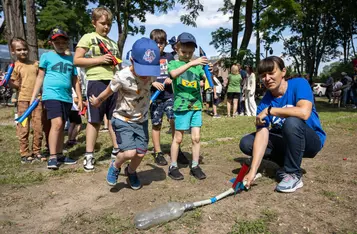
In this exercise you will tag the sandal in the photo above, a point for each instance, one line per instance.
(40, 157)
(26, 159)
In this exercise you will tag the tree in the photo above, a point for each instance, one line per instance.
(31, 29)
(14, 26)
(248, 29)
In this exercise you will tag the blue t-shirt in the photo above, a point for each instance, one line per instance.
(59, 70)
(298, 89)
(164, 62)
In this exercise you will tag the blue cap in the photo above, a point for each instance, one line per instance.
(146, 56)
(186, 38)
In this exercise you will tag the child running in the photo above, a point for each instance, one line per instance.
(58, 76)
(186, 76)
(130, 116)
(164, 102)
(23, 79)
(99, 72)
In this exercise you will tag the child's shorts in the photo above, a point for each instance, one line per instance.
(158, 108)
(96, 115)
(131, 135)
(185, 120)
(74, 117)
(216, 101)
(55, 108)
(209, 96)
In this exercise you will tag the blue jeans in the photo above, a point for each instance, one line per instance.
(287, 147)
(345, 96)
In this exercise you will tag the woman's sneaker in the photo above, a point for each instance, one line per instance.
(289, 184)
(88, 162)
(133, 180)
(113, 174)
(197, 173)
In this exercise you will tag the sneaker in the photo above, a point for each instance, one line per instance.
(52, 163)
(66, 160)
(182, 158)
(289, 184)
(175, 173)
(160, 159)
(216, 116)
(88, 162)
(133, 180)
(197, 173)
(113, 174)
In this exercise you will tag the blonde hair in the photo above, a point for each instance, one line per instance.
(235, 70)
(99, 12)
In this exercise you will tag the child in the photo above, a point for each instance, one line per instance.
(75, 121)
(130, 116)
(234, 90)
(23, 79)
(58, 76)
(99, 72)
(164, 102)
(217, 91)
(186, 76)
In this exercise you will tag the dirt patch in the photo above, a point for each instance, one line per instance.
(83, 203)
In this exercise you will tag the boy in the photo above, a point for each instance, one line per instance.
(186, 76)
(58, 76)
(130, 116)
(164, 101)
(23, 79)
(99, 72)
(217, 91)
(75, 121)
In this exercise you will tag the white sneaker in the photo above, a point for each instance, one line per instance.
(88, 162)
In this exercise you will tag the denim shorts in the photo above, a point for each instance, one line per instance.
(185, 120)
(131, 135)
(158, 108)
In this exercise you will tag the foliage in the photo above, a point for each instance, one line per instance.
(335, 69)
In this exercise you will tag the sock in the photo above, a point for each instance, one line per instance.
(115, 151)
(53, 155)
(194, 163)
(89, 154)
(173, 164)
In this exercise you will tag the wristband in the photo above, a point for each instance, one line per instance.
(269, 108)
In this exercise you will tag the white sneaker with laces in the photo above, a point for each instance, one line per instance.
(88, 162)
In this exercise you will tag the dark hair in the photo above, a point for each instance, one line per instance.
(18, 39)
(158, 35)
(268, 64)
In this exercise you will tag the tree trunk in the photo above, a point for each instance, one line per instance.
(248, 25)
(31, 29)
(124, 27)
(257, 19)
(235, 28)
(13, 10)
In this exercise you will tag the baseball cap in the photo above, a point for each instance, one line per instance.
(57, 32)
(146, 56)
(186, 38)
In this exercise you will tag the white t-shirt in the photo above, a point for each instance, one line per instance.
(218, 86)
(133, 96)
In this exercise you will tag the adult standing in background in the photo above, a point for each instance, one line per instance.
(250, 105)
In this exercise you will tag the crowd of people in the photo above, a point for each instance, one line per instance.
(288, 127)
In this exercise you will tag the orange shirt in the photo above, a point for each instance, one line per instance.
(24, 75)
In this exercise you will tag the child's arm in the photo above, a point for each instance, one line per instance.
(80, 61)
(214, 93)
(177, 72)
(38, 84)
(77, 88)
(97, 101)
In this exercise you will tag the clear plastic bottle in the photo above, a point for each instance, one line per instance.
(161, 214)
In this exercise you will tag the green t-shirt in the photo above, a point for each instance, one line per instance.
(89, 42)
(234, 83)
(186, 87)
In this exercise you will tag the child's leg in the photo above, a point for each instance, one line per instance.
(71, 128)
(37, 126)
(178, 136)
(195, 135)
(157, 112)
(56, 136)
(23, 132)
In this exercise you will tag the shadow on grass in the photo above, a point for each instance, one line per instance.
(323, 106)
